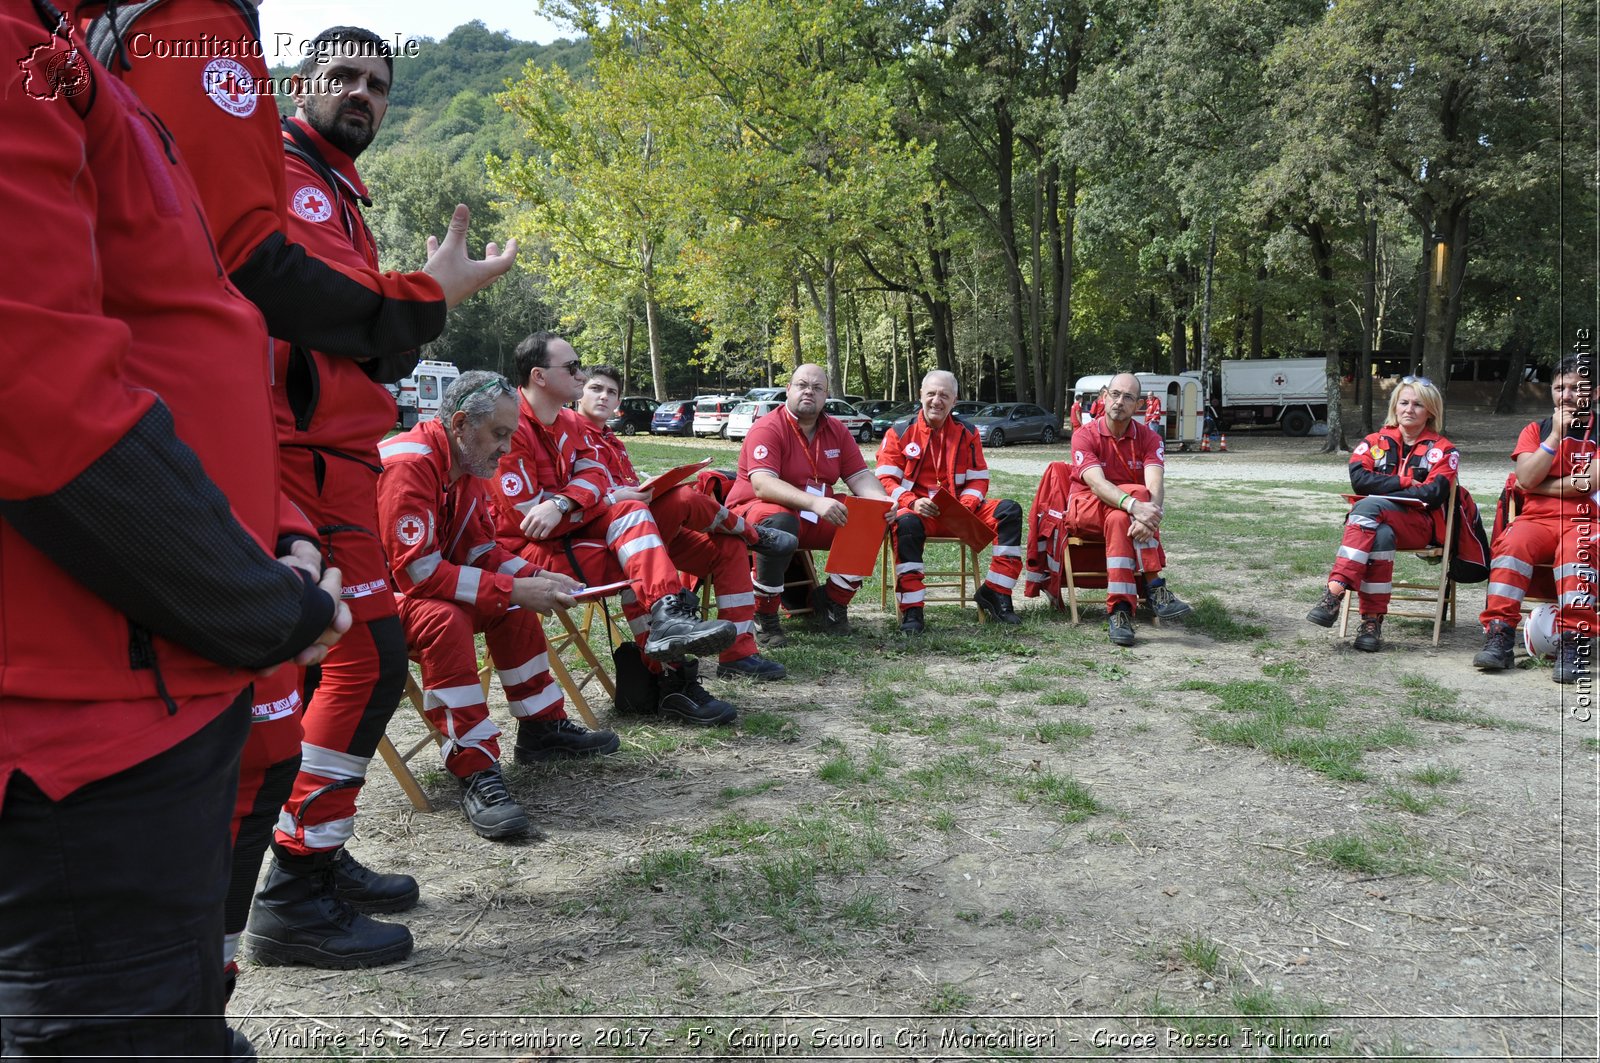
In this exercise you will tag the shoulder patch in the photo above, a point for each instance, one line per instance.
(759, 453)
(913, 450)
(1361, 448)
(230, 87)
(410, 529)
(511, 484)
(1434, 455)
(311, 203)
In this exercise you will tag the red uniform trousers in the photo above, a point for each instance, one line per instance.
(1373, 531)
(1088, 517)
(354, 692)
(439, 634)
(813, 535)
(1001, 516)
(619, 541)
(266, 772)
(706, 546)
(1568, 545)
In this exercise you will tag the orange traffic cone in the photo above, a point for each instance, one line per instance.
(1224, 447)
(1205, 444)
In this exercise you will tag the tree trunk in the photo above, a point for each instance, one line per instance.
(1421, 324)
(627, 354)
(794, 324)
(1322, 254)
(827, 308)
(1062, 268)
(1005, 150)
(1036, 291)
(859, 343)
(658, 374)
(913, 358)
(1180, 336)
(1205, 306)
(1519, 346)
(894, 349)
(1369, 317)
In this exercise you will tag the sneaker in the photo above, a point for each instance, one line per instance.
(1496, 653)
(996, 606)
(1166, 605)
(368, 891)
(1572, 659)
(829, 614)
(774, 542)
(489, 806)
(754, 666)
(539, 740)
(1119, 627)
(298, 919)
(677, 632)
(911, 622)
(683, 698)
(769, 631)
(1326, 612)
(1369, 639)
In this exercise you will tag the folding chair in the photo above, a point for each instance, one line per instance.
(1439, 596)
(944, 585)
(1083, 567)
(798, 583)
(400, 763)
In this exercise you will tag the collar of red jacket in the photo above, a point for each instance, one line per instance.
(337, 161)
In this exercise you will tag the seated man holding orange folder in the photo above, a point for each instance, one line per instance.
(787, 468)
(937, 453)
(702, 537)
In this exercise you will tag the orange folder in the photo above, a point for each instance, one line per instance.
(855, 546)
(673, 477)
(959, 521)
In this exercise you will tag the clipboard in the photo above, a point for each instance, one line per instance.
(959, 521)
(673, 477)
(1416, 502)
(604, 590)
(855, 546)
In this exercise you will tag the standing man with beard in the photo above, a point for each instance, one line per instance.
(433, 507)
(331, 414)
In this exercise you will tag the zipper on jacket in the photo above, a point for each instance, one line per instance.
(142, 655)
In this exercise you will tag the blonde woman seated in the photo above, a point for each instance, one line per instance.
(1405, 470)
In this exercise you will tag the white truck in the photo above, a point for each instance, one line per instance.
(1290, 392)
(416, 398)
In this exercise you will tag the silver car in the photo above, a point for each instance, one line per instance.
(1012, 422)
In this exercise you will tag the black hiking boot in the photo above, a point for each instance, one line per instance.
(677, 632)
(298, 920)
(1496, 653)
(490, 808)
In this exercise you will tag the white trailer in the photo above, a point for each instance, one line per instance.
(1291, 392)
(1181, 414)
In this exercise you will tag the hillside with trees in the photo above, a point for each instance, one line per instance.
(707, 192)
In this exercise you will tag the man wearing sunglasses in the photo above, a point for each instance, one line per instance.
(551, 509)
(438, 530)
(1116, 495)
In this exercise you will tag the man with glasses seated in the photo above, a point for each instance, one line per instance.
(550, 508)
(1555, 525)
(1116, 495)
(454, 581)
(787, 468)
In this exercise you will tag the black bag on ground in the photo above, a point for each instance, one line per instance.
(637, 686)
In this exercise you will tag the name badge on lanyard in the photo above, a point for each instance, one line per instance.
(813, 488)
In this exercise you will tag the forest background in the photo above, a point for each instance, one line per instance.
(709, 192)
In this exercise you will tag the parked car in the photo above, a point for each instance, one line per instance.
(674, 418)
(859, 426)
(853, 401)
(873, 407)
(964, 410)
(885, 418)
(746, 414)
(634, 414)
(765, 394)
(1011, 422)
(711, 414)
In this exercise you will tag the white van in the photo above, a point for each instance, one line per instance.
(417, 397)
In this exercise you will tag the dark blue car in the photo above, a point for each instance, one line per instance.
(675, 418)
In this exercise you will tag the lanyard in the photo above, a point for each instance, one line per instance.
(806, 448)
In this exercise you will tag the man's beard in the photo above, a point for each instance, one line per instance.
(481, 464)
(352, 140)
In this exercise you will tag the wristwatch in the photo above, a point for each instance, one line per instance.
(563, 503)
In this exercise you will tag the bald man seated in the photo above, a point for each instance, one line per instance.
(938, 450)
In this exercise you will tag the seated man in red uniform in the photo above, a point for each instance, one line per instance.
(937, 450)
(550, 508)
(1118, 466)
(709, 543)
(1555, 526)
(787, 468)
(434, 513)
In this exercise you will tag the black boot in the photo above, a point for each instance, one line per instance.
(911, 622)
(368, 891)
(297, 920)
(774, 542)
(683, 698)
(490, 808)
(769, 631)
(996, 605)
(677, 632)
(541, 740)
(1496, 654)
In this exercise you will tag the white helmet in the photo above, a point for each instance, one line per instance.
(1539, 635)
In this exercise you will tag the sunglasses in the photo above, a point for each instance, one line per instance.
(494, 384)
(1422, 380)
(574, 367)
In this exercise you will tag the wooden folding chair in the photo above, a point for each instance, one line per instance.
(798, 584)
(400, 763)
(943, 585)
(1438, 596)
(1083, 567)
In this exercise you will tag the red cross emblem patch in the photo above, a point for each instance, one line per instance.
(410, 529)
(230, 87)
(311, 203)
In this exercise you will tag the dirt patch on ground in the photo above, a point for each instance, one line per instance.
(1238, 838)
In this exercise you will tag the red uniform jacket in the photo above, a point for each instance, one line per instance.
(613, 455)
(545, 462)
(437, 532)
(122, 302)
(918, 464)
(229, 132)
(1046, 520)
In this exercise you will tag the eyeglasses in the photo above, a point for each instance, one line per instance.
(574, 367)
(1419, 380)
(1118, 396)
(809, 387)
